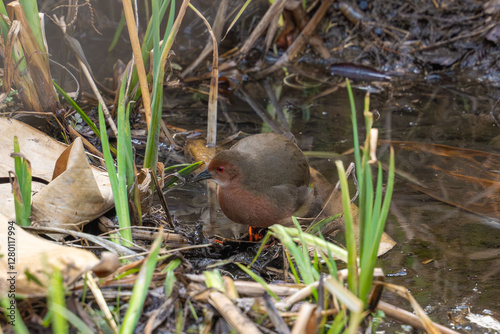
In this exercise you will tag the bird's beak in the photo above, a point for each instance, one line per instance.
(202, 176)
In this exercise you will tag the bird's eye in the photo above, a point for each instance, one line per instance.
(220, 169)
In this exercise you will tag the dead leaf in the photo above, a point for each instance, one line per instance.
(79, 192)
(76, 194)
(37, 257)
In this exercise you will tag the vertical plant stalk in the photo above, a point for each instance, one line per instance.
(275, 8)
(141, 287)
(151, 155)
(214, 85)
(121, 204)
(21, 186)
(16, 68)
(373, 205)
(56, 298)
(352, 278)
(101, 301)
(139, 62)
(35, 53)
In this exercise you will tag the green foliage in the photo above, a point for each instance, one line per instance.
(258, 279)
(169, 276)
(55, 300)
(141, 288)
(187, 170)
(373, 205)
(21, 186)
(77, 108)
(18, 325)
(160, 53)
(121, 203)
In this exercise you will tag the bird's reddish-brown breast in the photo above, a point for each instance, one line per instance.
(262, 180)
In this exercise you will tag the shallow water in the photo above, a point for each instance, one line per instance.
(448, 258)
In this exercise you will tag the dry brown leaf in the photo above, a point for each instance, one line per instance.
(41, 150)
(75, 195)
(38, 257)
(79, 191)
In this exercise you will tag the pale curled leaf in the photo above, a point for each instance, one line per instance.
(38, 257)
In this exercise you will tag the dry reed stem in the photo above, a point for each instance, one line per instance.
(297, 296)
(91, 283)
(214, 85)
(301, 40)
(232, 314)
(302, 325)
(409, 318)
(217, 28)
(36, 58)
(138, 60)
(256, 289)
(425, 322)
(74, 134)
(275, 8)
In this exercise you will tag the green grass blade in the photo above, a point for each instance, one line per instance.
(55, 298)
(125, 162)
(118, 32)
(258, 279)
(263, 242)
(22, 186)
(305, 252)
(329, 260)
(366, 210)
(338, 323)
(77, 108)
(183, 172)
(367, 272)
(113, 177)
(352, 278)
(170, 276)
(13, 316)
(303, 262)
(355, 135)
(236, 18)
(316, 228)
(72, 318)
(317, 242)
(292, 266)
(141, 288)
(213, 279)
(31, 11)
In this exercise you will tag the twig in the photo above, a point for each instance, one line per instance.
(456, 38)
(214, 86)
(218, 25)
(109, 245)
(91, 283)
(275, 103)
(408, 317)
(275, 8)
(300, 41)
(232, 314)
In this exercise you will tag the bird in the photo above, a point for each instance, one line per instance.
(262, 180)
